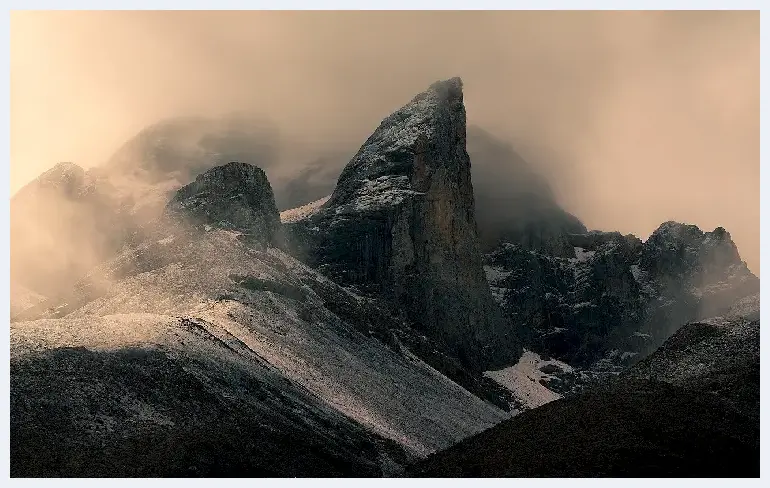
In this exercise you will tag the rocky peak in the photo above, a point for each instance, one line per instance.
(394, 157)
(679, 249)
(617, 298)
(401, 224)
(66, 178)
(233, 196)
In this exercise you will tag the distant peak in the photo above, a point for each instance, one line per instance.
(721, 234)
(64, 169)
(234, 172)
(67, 177)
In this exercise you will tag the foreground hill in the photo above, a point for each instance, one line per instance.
(690, 409)
(153, 395)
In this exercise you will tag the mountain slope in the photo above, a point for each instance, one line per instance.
(326, 340)
(152, 395)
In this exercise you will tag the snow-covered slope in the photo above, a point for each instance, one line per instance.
(282, 311)
(140, 394)
(304, 211)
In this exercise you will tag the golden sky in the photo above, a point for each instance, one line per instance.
(651, 116)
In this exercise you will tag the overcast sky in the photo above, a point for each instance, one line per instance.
(647, 116)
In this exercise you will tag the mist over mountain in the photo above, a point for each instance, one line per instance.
(374, 272)
(623, 112)
(378, 326)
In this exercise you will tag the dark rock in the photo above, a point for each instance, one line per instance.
(615, 298)
(550, 369)
(233, 196)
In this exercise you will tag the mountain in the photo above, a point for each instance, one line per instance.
(403, 314)
(401, 225)
(74, 219)
(214, 304)
(689, 409)
(62, 224)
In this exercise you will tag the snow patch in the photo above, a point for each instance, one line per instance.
(523, 379)
(581, 255)
(495, 274)
(498, 294)
(384, 191)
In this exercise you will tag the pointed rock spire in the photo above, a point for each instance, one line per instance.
(401, 224)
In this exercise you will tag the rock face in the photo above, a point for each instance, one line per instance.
(616, 298)
(401, 224)
(233, 196)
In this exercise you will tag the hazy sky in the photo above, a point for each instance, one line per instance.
(649, 116)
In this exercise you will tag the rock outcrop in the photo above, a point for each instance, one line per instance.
(233, 196)
(401, 224)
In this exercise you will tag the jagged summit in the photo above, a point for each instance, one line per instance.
(684, 248)
(234, 196)
(617, 298)
(433, 122)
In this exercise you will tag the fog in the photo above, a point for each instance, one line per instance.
(636, 118)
